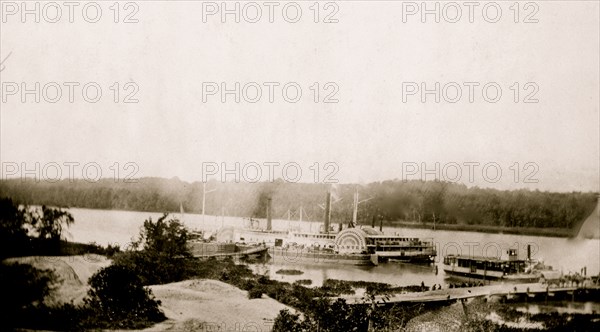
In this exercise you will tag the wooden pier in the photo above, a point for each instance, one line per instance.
(452, 294)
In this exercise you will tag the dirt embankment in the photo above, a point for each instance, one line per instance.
(73, 273)
(210, 305)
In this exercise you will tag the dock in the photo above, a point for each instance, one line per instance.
(453, 294)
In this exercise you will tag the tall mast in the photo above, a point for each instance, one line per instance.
(204, 192)
(222, 216)
(269, 213)
(355, 206)
(327, 212)
(203, 201)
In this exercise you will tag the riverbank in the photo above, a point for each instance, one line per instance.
(547, 232)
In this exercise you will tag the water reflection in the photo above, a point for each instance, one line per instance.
(562, 307)
(394, 273)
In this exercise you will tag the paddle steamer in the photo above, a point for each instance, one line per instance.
(511, 269)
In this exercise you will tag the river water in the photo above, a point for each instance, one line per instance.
(568, 255)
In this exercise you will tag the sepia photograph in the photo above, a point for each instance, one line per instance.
(300, 166)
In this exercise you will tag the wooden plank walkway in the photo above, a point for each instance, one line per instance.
(449, 294)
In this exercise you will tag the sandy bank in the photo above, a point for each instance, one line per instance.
(73, 273)
(210, 305)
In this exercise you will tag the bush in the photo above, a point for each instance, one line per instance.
(290, 272)
(118, 300)
(153, 268)
(304, 282)
(289, 322)
(74, 249)
(23, 289)
(13, 234)
(255, 293)
(160, 255)
(334, 287)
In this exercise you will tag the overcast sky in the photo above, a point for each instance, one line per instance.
(370, 133)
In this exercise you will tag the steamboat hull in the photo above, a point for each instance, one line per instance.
(470, 275)
(420, 256)
(491, 275)
(305, 256)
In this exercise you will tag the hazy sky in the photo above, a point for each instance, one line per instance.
(370, 133)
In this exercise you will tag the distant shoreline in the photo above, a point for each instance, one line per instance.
(547, 232)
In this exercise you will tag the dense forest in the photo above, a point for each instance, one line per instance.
(419, 201)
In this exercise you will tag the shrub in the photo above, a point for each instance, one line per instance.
(291, 272)
(255, 293)
(13, 234)
(160, 255)
(23, 289)
(289, 322)
(305, 282)
(119, 300)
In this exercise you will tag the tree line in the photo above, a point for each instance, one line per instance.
(393, 200)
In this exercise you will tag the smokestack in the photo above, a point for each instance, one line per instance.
(528, 252)
(381, 224)
(327, 212)
(373, 221)
(269, 214)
